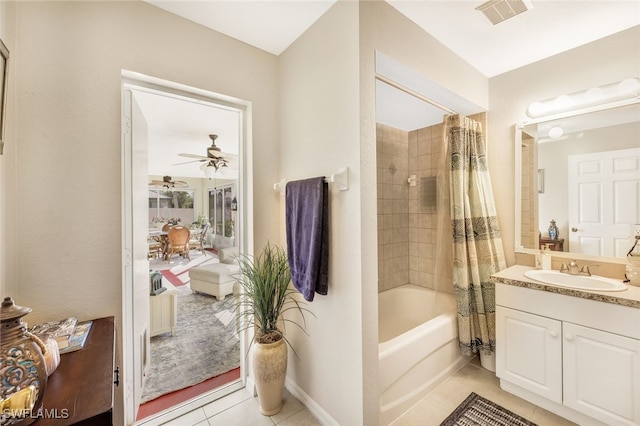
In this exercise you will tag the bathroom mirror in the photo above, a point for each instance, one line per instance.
(583, 172)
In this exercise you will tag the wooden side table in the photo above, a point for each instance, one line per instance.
(80, 391)
(164, 311)
(555, 245)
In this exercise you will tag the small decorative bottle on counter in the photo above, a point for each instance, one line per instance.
(554, 233)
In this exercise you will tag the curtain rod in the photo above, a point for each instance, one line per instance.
(413, 93)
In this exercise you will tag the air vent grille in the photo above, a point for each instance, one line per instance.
(501, 10)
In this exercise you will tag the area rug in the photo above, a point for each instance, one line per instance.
(178, 275)
(477, 411)
(205, 345)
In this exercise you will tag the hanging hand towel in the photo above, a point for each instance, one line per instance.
(307, 216)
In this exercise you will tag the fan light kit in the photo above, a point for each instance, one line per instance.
(212, 162)
(168, 183)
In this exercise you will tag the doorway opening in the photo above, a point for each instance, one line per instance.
(164, 122)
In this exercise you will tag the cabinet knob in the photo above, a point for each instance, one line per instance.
(574, 229)
(553, 333)
(569, 337)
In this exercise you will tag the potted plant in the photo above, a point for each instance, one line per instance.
(264, 296)
(159, 221)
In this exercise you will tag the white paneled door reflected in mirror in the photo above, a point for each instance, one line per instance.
(591, 168)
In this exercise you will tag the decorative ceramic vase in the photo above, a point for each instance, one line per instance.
(270, 369)
(23, 373)
(554, 232)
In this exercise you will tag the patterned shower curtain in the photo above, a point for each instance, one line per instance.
(477, 245)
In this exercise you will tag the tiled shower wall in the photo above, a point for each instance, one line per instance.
(529, 210)
(405, 226)
(408, 244)
(393, 207)
(424, 161)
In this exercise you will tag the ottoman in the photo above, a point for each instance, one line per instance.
(215, 279)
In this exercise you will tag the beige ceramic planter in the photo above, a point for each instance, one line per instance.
(270, 369)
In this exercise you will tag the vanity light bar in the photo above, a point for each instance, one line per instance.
(613, 92)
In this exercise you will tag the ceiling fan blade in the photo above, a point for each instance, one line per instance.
(184, 154)
(189, 162)
(230, 157)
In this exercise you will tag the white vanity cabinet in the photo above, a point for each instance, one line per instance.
(529, 352)
(601, 374)
(576, 357)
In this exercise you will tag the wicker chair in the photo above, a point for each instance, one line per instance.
(198, 242)
(178, 242)
(155, 248)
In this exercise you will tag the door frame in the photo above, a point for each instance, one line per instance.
(135, 81)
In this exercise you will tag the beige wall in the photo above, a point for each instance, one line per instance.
(8, 163)
(67, 185)
(69, 141)
(611, 59)
(319, 134)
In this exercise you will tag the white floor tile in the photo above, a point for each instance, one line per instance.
(191, 418)
(224, 403)
(246, 413)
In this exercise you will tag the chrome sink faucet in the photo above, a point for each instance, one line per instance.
(573, 269)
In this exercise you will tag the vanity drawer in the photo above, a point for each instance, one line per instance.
(609, 317)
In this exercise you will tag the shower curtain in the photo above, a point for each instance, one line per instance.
(477, 245)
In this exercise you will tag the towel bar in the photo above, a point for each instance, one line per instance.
(340, 178)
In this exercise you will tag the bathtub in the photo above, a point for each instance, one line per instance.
(418, 346)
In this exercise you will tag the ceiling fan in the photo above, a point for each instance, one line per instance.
(168, 183)
(214, 159)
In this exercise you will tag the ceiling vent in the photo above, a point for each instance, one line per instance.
(501, 10)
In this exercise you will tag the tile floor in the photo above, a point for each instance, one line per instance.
(440, 402)
(241, 409)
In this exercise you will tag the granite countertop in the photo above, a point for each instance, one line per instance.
(514, 275)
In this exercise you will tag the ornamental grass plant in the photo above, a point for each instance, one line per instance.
(265, 295)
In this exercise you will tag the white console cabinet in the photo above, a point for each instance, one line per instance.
(578, 358)
(164, 311)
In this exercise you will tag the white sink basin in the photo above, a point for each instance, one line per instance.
(579, 282)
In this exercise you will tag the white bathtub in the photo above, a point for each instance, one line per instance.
(418, 346)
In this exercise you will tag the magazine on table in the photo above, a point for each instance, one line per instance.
(61, 330)
(78, 338)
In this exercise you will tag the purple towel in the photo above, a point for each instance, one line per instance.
(308, 235)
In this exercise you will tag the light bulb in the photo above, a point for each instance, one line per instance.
(562, 102)
(210, 171)
(593, 94)
(556, 132)
(629, 86)
(536, 109)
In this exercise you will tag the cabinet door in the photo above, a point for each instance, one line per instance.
(602, 374)
(529, 352)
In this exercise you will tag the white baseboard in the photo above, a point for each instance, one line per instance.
(322, 416)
